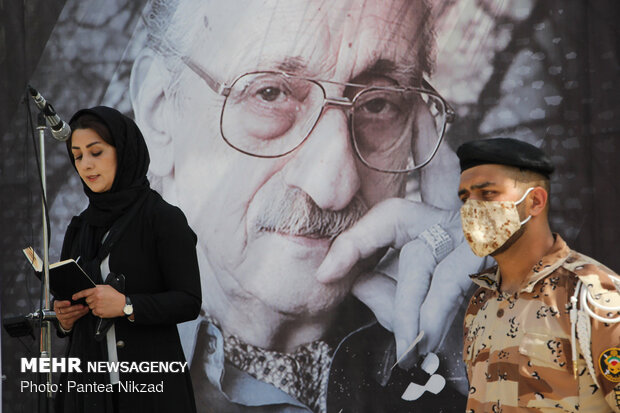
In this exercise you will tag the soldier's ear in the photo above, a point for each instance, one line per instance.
(149, 78)
(539, 199)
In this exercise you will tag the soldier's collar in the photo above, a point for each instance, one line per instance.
(559, 252)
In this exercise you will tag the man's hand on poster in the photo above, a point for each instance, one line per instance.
(423, 284)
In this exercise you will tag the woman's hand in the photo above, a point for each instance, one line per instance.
(68, 314)
(103, 300)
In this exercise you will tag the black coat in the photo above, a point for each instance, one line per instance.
(157, 256)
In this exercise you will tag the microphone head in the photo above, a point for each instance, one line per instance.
(36, 96)
(62, 134)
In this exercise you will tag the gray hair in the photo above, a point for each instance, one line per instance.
(170, 29)
(164, 35)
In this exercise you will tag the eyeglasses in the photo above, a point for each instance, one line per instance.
(269, 114)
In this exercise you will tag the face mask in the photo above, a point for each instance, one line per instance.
(487, 225)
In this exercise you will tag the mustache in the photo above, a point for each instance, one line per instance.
(293, 212)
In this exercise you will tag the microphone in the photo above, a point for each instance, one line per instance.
(60, 130)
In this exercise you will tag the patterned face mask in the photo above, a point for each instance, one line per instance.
(487, 225)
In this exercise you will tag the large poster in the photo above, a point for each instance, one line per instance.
(311, 146)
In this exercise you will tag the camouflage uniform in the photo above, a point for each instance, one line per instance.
(518, 348)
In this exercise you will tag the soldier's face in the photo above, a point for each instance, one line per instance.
(232, 200)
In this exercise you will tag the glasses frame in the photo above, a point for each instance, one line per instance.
(346, 103)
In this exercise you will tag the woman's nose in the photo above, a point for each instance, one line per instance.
(87, 162)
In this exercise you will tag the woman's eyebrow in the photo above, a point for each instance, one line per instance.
(87, 146)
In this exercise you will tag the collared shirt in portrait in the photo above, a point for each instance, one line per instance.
(517, 347)
(360, 376)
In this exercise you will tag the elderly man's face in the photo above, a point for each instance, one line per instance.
(265, 225)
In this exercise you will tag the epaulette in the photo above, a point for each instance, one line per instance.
(591, 295)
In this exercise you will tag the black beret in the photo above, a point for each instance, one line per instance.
(504, 151)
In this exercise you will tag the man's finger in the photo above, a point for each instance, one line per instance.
(447, 291)
(393, 222)
(415, 266)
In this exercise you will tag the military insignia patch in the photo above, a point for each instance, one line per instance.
(609, 363)
(488, 280)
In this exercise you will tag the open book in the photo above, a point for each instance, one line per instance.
(66, 277)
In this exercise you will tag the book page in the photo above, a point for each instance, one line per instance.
(35, 260)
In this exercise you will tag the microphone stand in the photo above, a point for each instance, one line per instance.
(23, 325)
(45, 315)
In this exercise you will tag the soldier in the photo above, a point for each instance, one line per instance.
(542, 330)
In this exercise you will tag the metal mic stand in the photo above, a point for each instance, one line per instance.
(45, 315)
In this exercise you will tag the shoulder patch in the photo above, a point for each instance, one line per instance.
(488, 280)
(609, 363)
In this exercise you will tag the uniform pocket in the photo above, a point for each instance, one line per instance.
(545, 380)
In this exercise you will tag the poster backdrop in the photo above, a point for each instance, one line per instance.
(545, 72)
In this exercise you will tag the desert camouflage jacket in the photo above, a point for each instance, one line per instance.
(518, 347)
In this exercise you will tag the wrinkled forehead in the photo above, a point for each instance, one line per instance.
(326, 39)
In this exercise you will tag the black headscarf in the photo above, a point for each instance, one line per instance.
(132, 164)
(129, 187)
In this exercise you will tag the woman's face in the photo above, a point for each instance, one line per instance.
(95, 159)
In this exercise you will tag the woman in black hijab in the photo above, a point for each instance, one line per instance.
(126, 229)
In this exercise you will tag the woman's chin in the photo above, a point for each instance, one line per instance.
(98, 189)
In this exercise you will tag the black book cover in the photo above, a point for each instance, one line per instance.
(66, 277)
